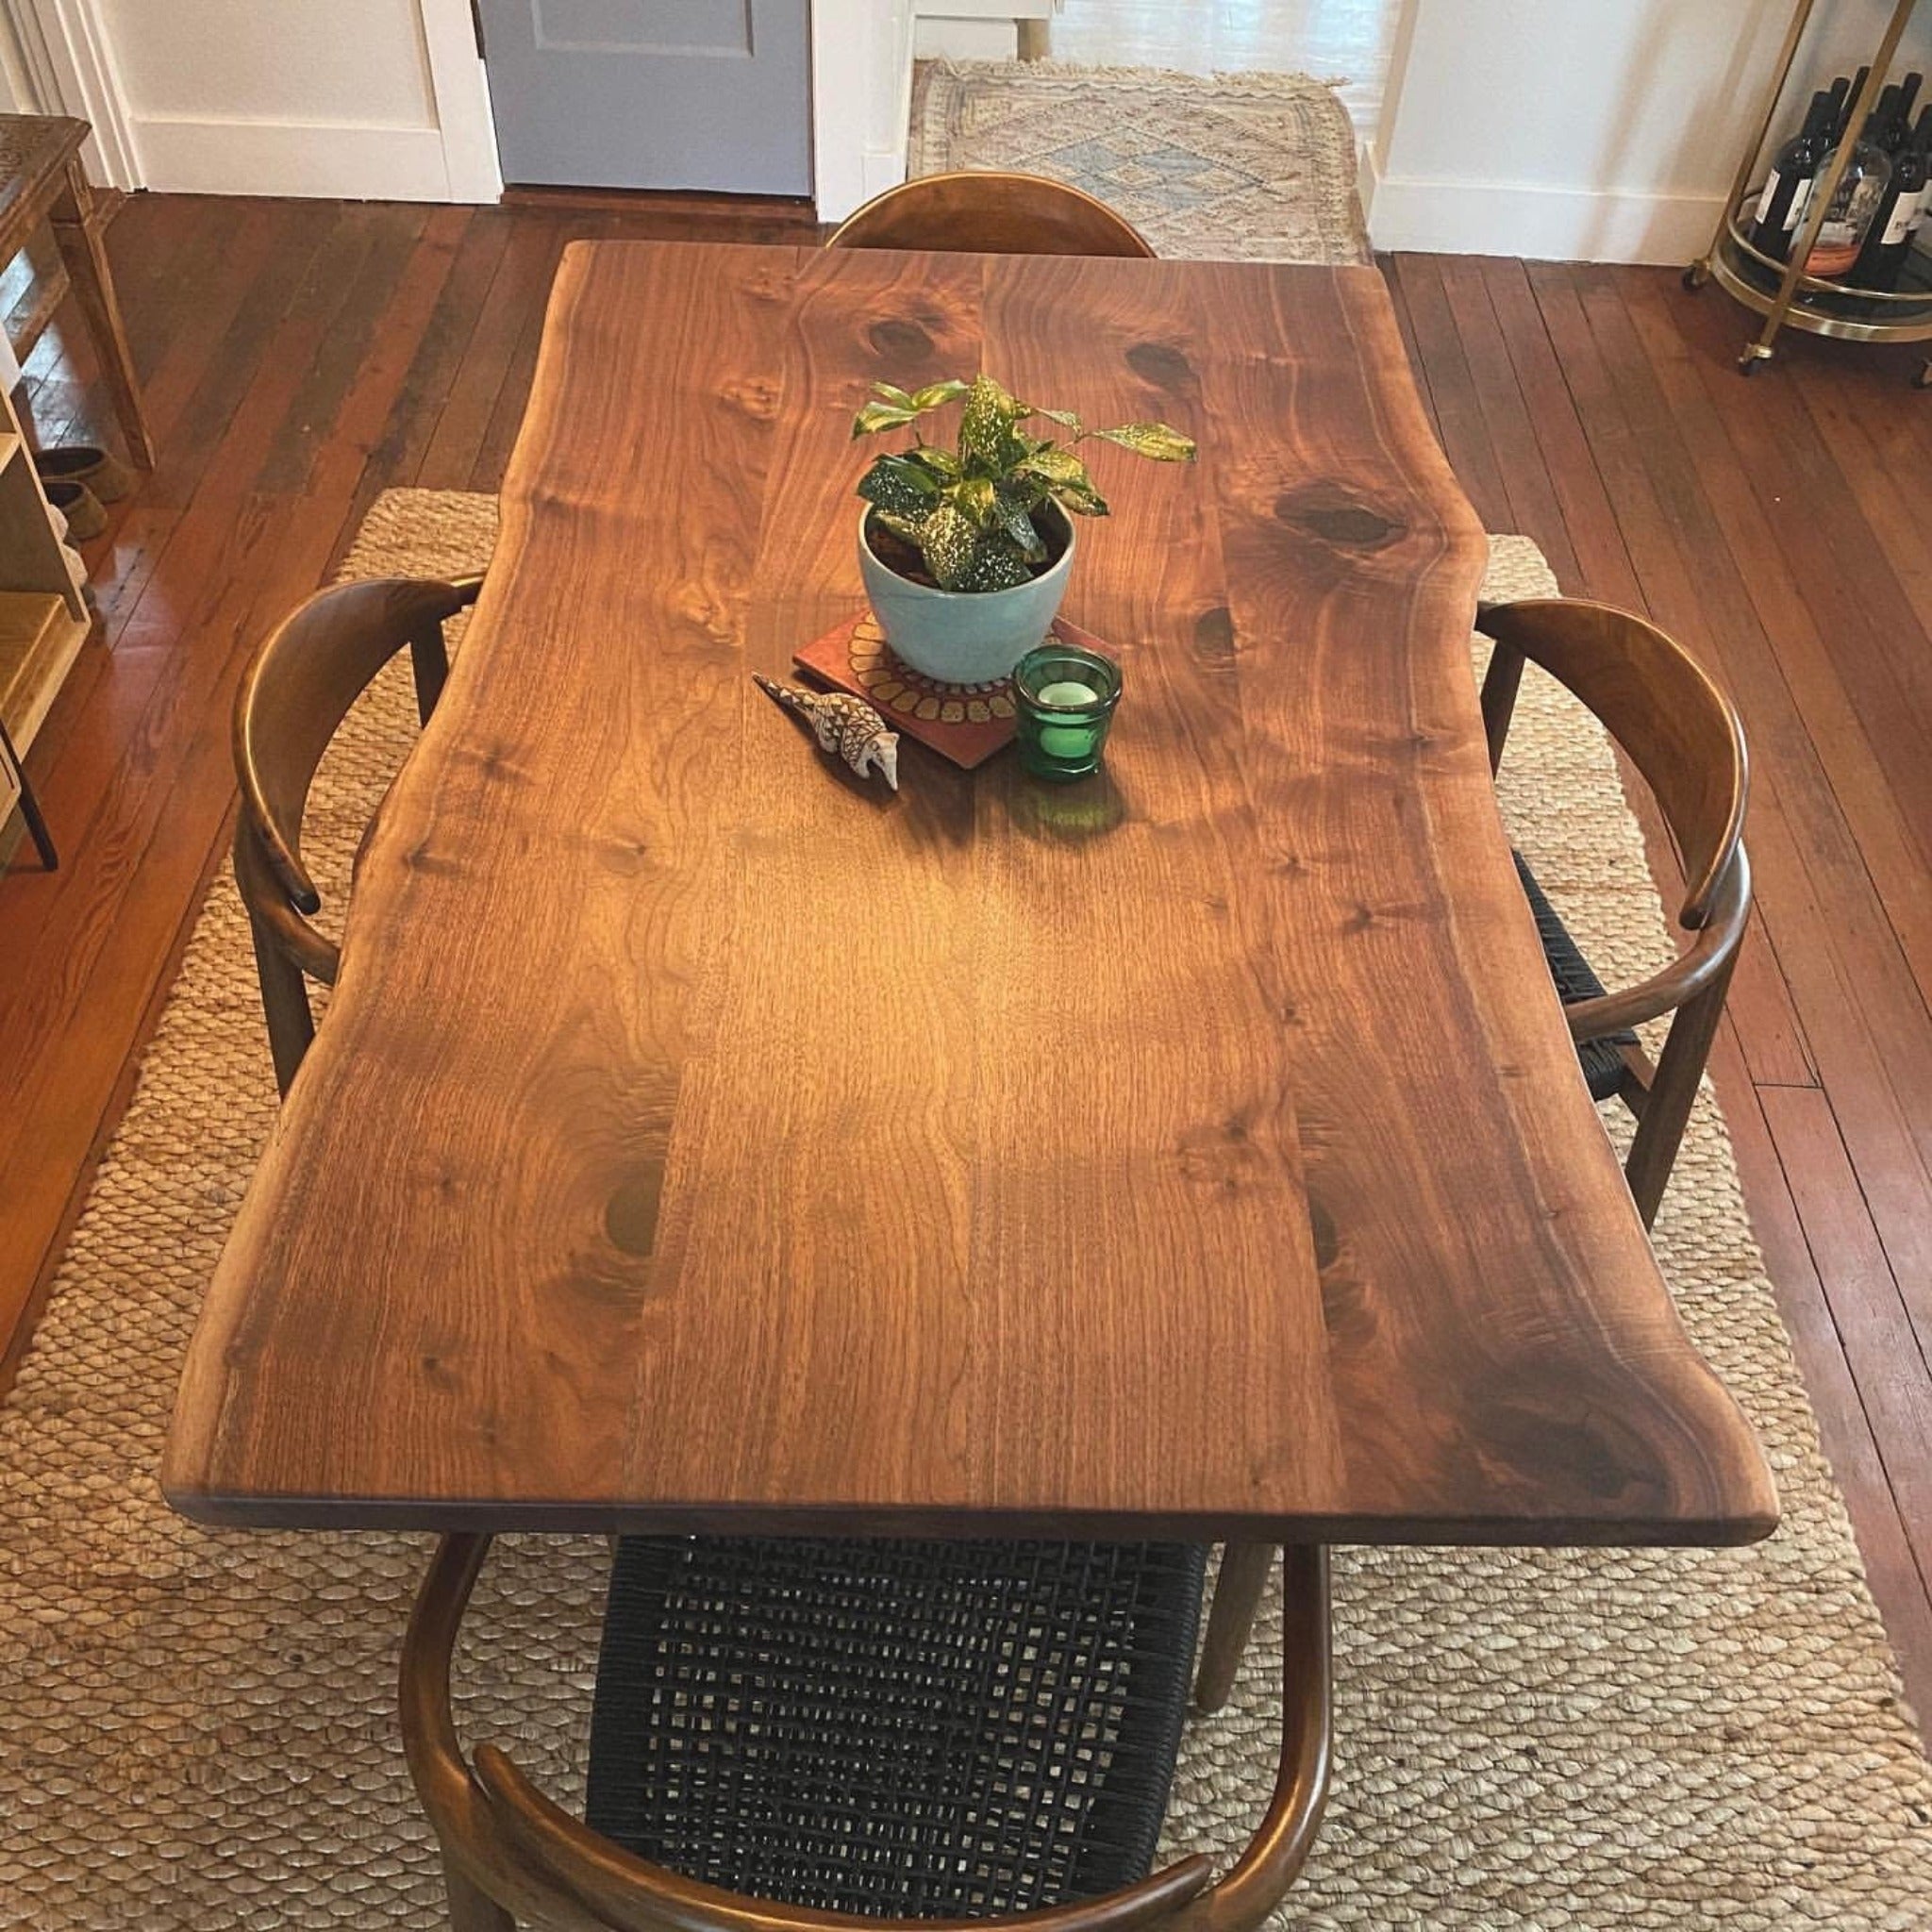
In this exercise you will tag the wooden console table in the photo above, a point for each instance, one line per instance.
(42, 183)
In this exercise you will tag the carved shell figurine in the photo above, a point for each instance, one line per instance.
(842, 723)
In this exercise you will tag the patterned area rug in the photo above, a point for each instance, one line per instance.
(1226, 167)
(197, 1729)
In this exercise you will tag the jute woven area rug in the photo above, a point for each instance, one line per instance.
(1231, 167)
(197, 1729)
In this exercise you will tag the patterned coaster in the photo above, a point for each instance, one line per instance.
(965, 723)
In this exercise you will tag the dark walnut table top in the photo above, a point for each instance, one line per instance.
(699, 1140)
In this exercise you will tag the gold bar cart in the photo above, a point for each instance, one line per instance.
(1781, 291)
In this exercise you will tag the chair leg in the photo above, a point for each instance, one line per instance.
(429, 660)
(1230, 1617)
(471, 1908)
(1672, 1089)
(284, 1005)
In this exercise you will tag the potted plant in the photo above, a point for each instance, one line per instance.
(965, 551)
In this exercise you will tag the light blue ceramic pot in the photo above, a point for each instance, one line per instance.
(963, 637)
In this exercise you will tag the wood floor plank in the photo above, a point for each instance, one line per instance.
(1816, 677)
(1407, 324)
(1898, 1580)
(1602, 563)
(519, 288)
(214, 389)
(1868, 1308)
(1842, 570)
(1534, 507)
(439, 353)
(1459, 423)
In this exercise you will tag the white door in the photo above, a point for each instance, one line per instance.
(652, 94)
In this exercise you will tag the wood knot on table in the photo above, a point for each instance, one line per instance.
(1332, 515)
(899, 335)
(1214, 636)
(1223, 1154)
(1160, 363)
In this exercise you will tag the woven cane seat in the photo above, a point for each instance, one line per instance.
(904, 1729)
(1602, 1060)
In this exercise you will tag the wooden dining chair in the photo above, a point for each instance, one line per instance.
(1687, 742)
(820, 1736)
(987, 214)
(297, 691)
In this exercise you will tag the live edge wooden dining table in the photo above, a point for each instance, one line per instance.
(701, 1139)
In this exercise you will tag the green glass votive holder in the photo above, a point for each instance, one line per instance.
(1064, 699)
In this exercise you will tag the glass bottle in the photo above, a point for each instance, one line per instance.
(1847, 219)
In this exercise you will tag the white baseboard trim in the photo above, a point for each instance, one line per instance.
(1542, 224)
(338, 162)
(937, 39)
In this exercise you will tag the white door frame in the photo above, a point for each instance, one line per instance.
(68, 56)
(861, 91)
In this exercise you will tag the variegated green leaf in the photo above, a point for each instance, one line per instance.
(975, 498)
(1081, 499)
(1067, 419)
(943, 463)
(986, 423)
(1011, 512)
(1155, 439)
(911, 528)
(877, 416)
(996, 565)
(947, 541)
(896, 483)
(896, 397)
(1055, 465)
(1029, 492)
(935, 394)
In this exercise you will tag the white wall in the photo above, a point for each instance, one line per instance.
(379, 98)
(17, 96)
(861, 63)
(358, 98)
(1603, 130)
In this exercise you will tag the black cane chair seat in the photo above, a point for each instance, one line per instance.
(903, 1728)
(1603, 1060)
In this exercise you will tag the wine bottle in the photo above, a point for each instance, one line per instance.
(1879, 123)
(1901, 114)
(1890, 240)
(1789, 185)
(1847, 101)
(1838, 89)
(1888, 237)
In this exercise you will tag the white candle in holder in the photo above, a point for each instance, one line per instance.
(1068, 691)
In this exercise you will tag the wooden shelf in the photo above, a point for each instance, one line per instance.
(38, 639)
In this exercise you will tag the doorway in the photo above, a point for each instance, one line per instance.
(712, 96)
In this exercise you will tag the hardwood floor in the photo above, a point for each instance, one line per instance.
(299, 356)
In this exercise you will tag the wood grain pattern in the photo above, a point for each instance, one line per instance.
(764, 1150)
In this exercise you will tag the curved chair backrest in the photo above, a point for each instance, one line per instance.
(298, 688)
(984, 213)
(1685, 738)
(504, 1842)
(1680, 731)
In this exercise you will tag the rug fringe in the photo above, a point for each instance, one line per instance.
(1248, 80)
